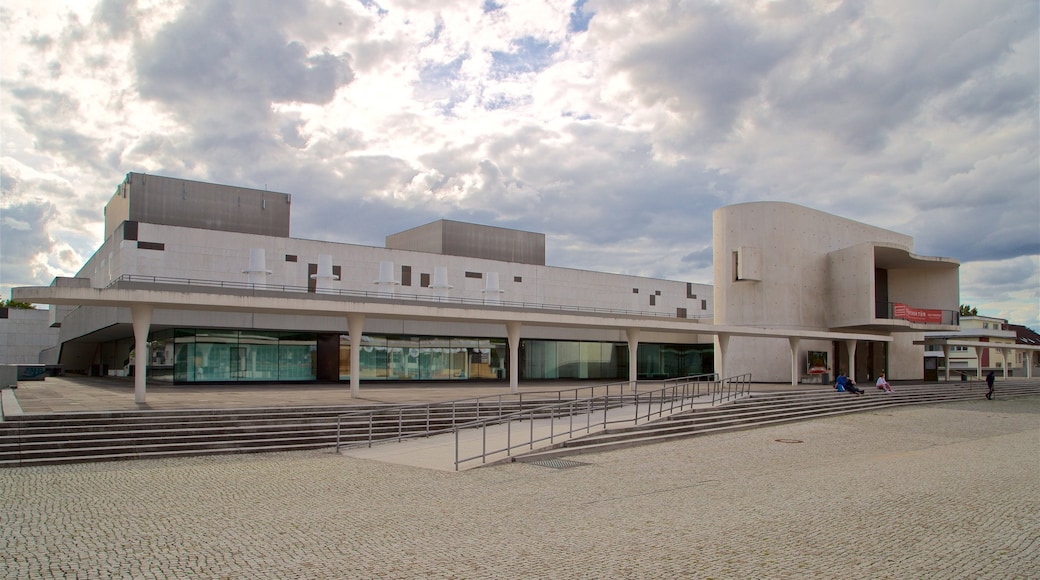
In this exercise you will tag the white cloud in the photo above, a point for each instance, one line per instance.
(617, 137)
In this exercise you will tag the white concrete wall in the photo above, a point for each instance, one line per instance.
(795, 242)
(937, 289)
(850, 301)
(905, 359)
(24, 334)
(222, 256)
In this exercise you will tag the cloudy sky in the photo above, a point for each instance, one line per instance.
(615, 127)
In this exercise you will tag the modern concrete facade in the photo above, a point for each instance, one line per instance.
(785, 266)
(209, 300)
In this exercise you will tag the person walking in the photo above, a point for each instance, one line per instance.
(990, 378)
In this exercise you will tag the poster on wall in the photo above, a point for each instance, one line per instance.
(816, 362)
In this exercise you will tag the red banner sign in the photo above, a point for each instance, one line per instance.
(924, 315)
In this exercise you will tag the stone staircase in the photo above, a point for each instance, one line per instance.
(763, 409)
(38, 439)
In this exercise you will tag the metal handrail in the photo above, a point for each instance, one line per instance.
(474, 403)
(731, 388)
(683, 393)
(385, 295)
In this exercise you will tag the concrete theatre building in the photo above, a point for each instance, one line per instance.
(202, 283)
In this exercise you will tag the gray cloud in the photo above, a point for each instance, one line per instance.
(703, 64)
(617, 138)
(220, 66)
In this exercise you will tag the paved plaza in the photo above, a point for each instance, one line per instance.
(938, 491)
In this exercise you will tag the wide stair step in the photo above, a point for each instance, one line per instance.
(766, 409)
(37, 439)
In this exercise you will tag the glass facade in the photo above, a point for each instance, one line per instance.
(213, 355)
(551, 359)
(421, 358)
(206, 355)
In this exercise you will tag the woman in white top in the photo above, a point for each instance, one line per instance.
(882, 384)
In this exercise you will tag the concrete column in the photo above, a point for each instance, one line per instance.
(141, 317)
(633, 359)
(513, 332)
(850, 345)
(794, 341)
(1008, 354)
(978, 361)
(356, 326)
(946, 360)
(721, 343)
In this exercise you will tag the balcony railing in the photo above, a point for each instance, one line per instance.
(900, 311)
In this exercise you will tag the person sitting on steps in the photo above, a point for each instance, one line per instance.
(882, 384)
(845, 384)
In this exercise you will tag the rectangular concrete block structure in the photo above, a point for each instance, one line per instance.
(454, 238)
(8, 376)
(180, 202)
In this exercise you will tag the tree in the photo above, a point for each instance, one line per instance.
(15, 304)
(968, 310)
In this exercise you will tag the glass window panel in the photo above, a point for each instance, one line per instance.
(184, 363)
(297, 356)
(649, 361)
(344, 357)
(670, 361)
(480, 360)
(540, 360)
(568, 360)
(402, 358)
(161, 359)
(373, 358)
(257, 356)
(459, 356)
(434, 364)
(499, 357)
(212, 361)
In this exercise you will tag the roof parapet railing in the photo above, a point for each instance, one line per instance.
(383, 295)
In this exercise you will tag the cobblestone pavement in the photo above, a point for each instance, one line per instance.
(941, 491)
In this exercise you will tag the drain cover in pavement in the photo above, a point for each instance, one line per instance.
(558, 463)
(788, 440)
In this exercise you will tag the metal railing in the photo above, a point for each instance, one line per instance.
(647, 406)
(126, 279)
(731, 388)
(399, 422)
